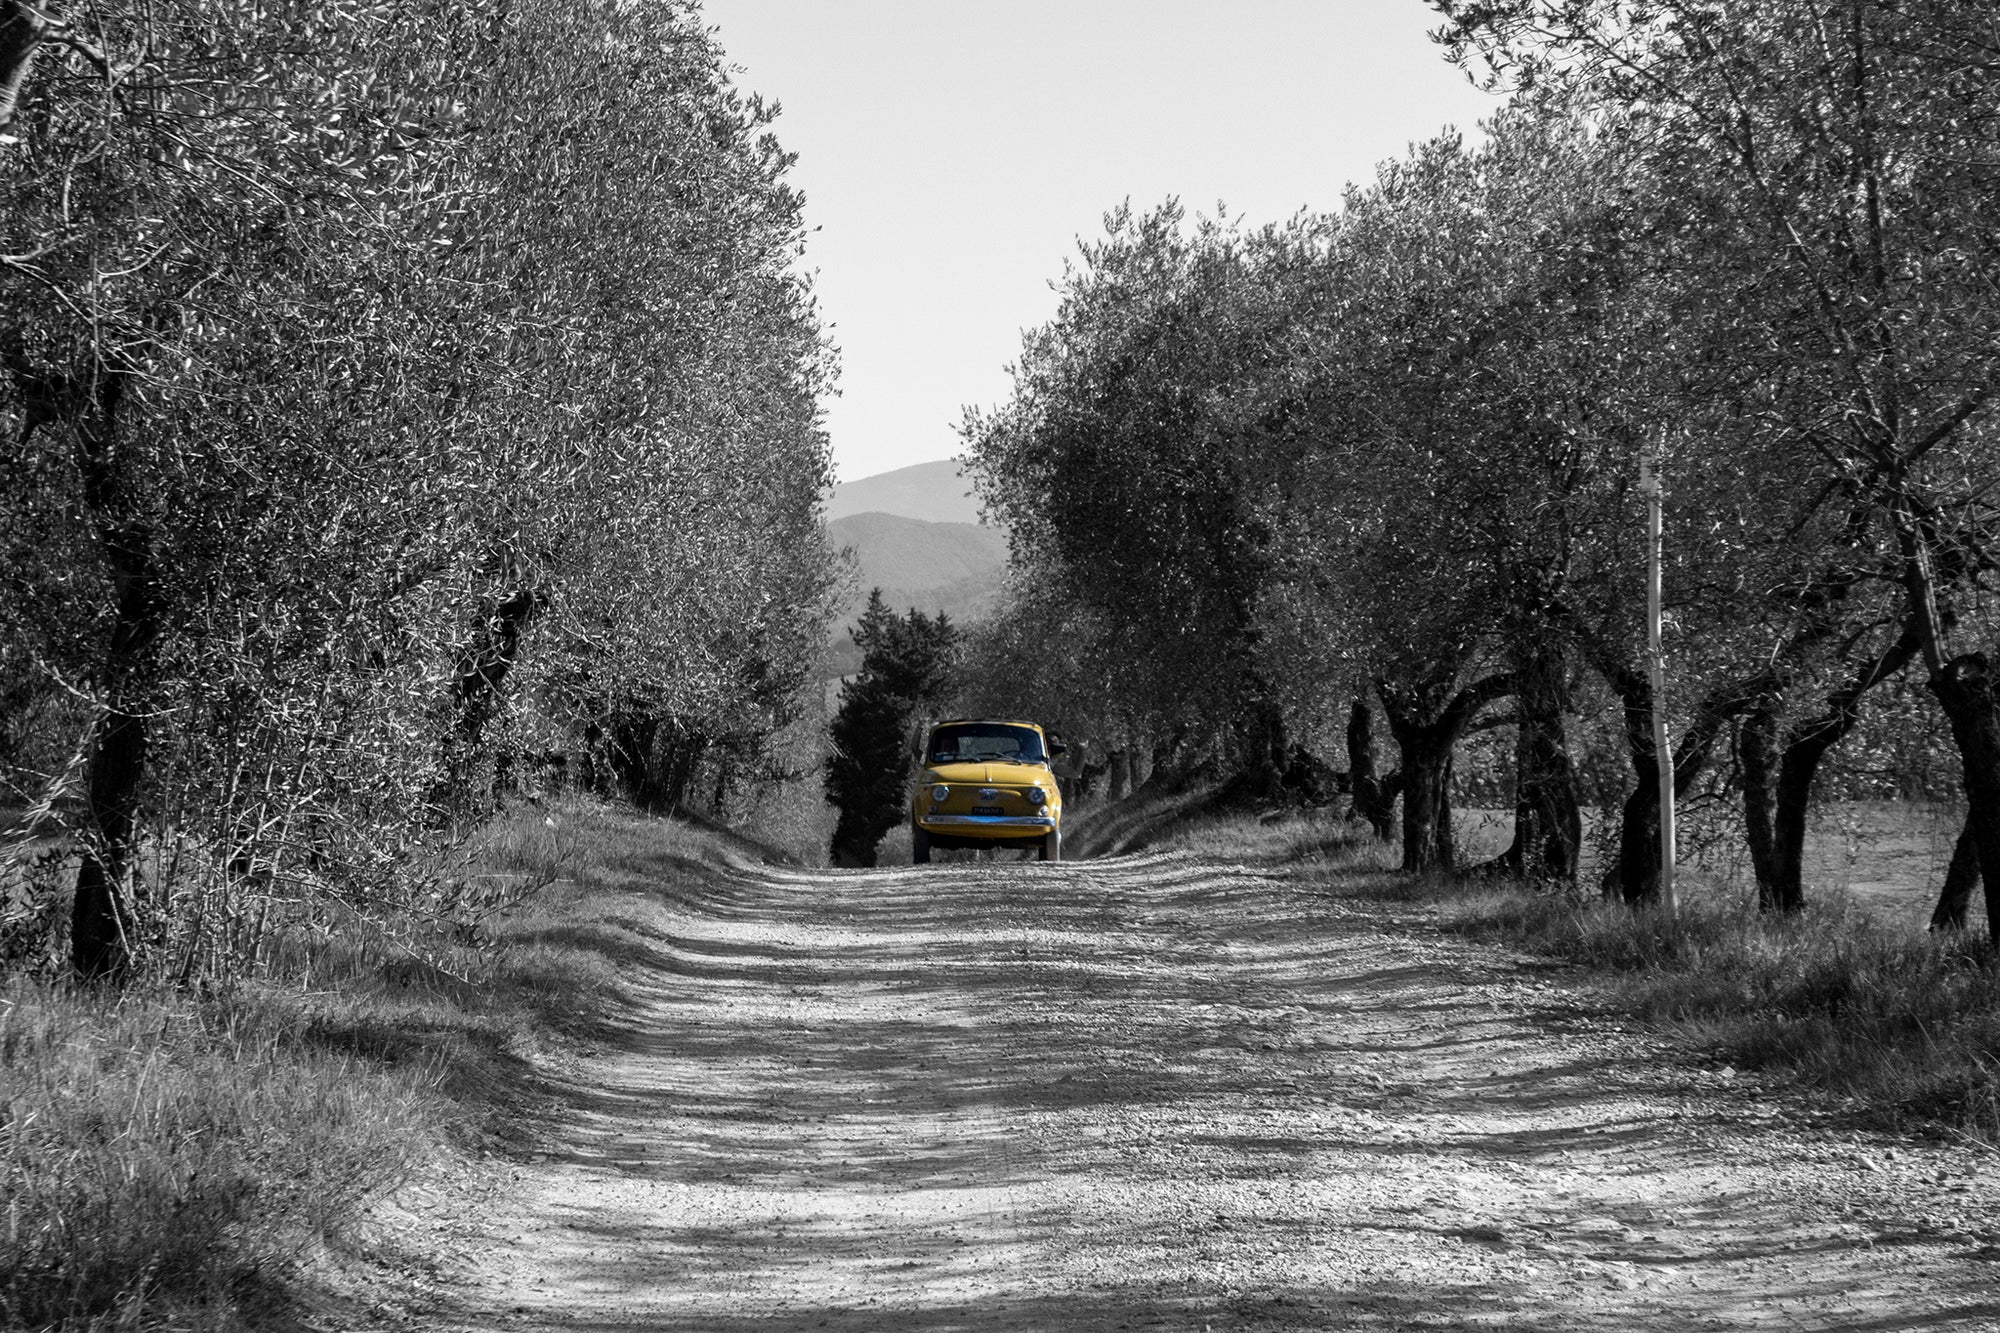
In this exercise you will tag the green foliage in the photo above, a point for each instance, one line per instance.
(1816, 178)
(388, 396)
(1134, 462)
(1394, 450)
(907, 664)
(1047, 657)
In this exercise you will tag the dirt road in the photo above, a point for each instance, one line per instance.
(1158, 1093)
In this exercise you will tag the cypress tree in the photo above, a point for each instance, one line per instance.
(906, 666)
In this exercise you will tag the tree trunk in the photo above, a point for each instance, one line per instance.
(1261, 747)
(678, 759)
(1159, 766)
(482, 670)
(1180, 762)
(1426, 740)
(1788, 827)
(1788, 824)
(1548, 819)
(100, 918)
(1635, 876)
(592, 774)
(1427, 834)
(629, 754)
(1121, 774)
(1799, 768)
(1756, 750)
(1374, 800)
(725, 782)
(22, 30)
(1960, 878)
(1965, 689)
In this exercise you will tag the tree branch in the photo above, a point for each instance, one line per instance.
(22, 31)
(1466, 704)
(1944, 429)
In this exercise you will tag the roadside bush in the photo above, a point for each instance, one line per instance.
(172, 1156)
(175, 1159)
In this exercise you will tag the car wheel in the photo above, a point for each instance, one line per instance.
(1051, 845)
(920, 847)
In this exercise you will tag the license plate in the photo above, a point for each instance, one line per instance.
(985, 809)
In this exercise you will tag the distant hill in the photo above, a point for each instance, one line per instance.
(955, 568)
(933, 492)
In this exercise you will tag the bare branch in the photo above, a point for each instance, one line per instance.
(23, 28)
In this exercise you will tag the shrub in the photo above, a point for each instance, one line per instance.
(164, 1153)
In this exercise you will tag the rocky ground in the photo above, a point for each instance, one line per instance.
(1161, 1093)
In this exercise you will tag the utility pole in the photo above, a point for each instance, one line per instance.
(1656, 666)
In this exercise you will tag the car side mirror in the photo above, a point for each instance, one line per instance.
(1056, 748)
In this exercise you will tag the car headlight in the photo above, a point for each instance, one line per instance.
(940, 792)
(1036, 796)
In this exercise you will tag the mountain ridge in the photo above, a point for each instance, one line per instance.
(931, 492)
(954, 568)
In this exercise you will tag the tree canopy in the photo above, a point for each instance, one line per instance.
(390, 397)
(1391, 453)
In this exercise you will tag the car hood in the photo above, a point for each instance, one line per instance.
(992, 774)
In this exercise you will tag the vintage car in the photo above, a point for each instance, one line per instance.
(986, 785)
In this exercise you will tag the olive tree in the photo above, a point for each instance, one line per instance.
(345, 353)
(1845, 148)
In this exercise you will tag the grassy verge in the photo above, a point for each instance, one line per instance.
(1191, 821)
(1285, 837)
(1897, 1023)
(1892, 1021)
(174, 1160)
(169, 1162)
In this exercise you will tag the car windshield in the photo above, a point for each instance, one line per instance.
(968, 741)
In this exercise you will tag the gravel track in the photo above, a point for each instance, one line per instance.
(1156, 1092)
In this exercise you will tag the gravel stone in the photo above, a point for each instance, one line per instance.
(1157, 1092)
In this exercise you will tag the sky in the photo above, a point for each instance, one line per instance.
(953, 152)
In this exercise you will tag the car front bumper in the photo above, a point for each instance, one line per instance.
(963, 831)
(966, 823)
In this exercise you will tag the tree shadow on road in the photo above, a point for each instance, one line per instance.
(974, 1098)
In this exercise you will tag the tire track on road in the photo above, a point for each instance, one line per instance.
(1159, 1092)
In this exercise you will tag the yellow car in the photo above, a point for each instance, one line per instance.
(986, 784)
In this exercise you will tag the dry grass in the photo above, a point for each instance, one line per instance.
(1896, 1022)
(1190, 821)
(1284, 837)
(165, 1160)
(174, 1160)
(1886, 856)
(1851, 997)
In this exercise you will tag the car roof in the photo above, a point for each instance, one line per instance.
(985, 721)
